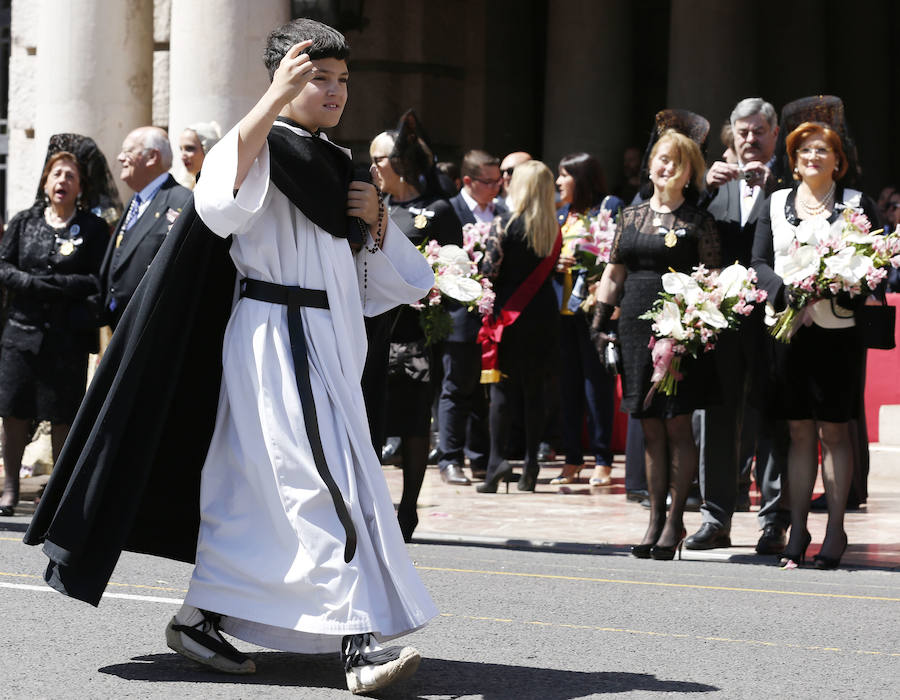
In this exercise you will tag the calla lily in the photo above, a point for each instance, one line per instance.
(463, 289)
(455, 259)
(803, 263)
(813, 230)
(848, 264)
(669, 321)
(709, 313)
(731, 280)
(680, 283)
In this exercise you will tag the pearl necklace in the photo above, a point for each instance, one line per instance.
(820, 207)
(55, 221)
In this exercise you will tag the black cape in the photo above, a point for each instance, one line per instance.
(128, 476)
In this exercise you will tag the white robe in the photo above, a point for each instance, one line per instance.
(270, 554)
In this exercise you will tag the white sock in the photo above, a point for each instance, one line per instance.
(190, 616)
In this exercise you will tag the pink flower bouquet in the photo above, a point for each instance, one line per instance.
(456, 277)
(817, 260)
(690, 313)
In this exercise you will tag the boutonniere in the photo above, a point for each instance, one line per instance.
(421, 217)
(671, 235)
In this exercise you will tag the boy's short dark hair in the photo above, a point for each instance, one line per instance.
(327, 42)
(473, 161)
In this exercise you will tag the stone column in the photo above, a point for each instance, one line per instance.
(94, 73)
(588, 82)
(215, 61)
(21, 175)
(713, 56)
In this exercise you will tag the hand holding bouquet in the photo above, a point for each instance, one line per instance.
(456, 277)
(591, 251)
(690, 313)
(817, 260)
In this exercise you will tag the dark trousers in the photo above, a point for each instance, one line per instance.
(635, 472)
(584, 383)
(511, 396)
(723, 430)
(462, 410)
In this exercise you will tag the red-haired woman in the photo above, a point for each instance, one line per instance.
(818, 375)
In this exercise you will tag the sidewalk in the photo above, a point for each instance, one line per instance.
(578, 518)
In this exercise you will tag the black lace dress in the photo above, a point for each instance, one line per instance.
(411, 379)
(50, 275)
(643, 247)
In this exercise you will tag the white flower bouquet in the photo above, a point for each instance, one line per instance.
(591, 251)
(456, 277)
(690, 313)
(817, 260)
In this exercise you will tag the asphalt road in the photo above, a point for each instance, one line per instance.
(513, 625)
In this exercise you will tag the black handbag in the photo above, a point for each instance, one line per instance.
(876, 326)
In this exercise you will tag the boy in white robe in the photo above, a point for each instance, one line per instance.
(299, 548)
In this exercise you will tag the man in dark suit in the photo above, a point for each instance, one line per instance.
(462, 409)
(734, 431)
(145, 161)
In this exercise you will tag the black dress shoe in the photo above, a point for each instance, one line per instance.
(546, 453)
(820, 504)
(7, 511)
(390, 452)
(709, 536)
(434, 456)
(637, 496)
(772, 541)
(454, 474)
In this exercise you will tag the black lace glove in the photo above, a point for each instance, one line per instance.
(600, 326)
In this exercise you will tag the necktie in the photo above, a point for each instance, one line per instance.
(132, 212)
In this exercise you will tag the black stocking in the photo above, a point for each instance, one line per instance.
(16, 432)
(414, 450)
(656, 460)
(683, 454)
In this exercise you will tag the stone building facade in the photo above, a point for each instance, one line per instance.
(548, 76)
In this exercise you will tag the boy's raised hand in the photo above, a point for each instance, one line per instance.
(293, 73)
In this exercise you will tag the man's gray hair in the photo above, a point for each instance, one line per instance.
(754, 105)
(156, 139)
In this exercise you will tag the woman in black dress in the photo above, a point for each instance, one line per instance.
(49, 263)
(403, 169)
(520, 243)
(667, 231)
(818, 380)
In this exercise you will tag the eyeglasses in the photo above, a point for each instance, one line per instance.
(376, 160)
(508, 171)
(806, 151)
(489, 183)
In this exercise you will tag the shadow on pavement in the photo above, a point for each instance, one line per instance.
(435, 678)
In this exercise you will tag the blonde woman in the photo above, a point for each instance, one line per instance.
(522, 251)
(667, 231)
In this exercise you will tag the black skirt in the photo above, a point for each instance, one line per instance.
(818, 375)
(48, 385)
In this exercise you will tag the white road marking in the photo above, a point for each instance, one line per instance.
(123, 596)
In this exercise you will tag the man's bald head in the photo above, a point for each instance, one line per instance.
(508, 164)
(146, 154)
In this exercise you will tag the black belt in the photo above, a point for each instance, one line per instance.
(295, 298)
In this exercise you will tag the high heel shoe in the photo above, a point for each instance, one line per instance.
(642, 551)
(791, 559)
(491, 481)
(667, 553)
(820, 561)
(528, 481)
(602, 475)
(408, 520)
(569, 475)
